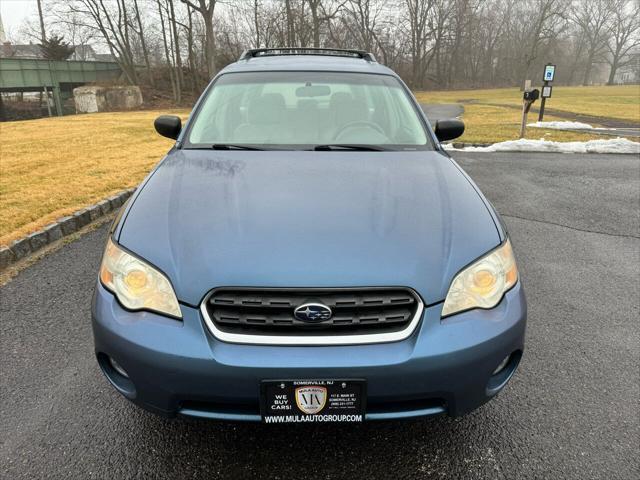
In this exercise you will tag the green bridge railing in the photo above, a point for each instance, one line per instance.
(37, 75)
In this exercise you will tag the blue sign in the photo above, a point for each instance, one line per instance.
(549, 73)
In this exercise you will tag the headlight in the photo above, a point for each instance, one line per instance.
(137, 285)
(483, 283)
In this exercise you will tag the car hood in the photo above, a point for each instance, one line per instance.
(308, 219)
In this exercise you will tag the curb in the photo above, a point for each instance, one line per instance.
(61, 228)
(465, 144)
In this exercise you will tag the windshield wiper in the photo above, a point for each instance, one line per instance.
(230, 146)
(342, 146)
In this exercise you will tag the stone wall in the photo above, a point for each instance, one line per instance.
(92, 99)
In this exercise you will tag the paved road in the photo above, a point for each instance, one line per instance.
(441, 111)
(570, 412)
(610, 132)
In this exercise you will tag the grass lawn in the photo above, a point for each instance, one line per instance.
(52, 167)
(487, 121)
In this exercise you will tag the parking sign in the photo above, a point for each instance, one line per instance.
(549, 73)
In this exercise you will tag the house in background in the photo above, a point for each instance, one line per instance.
(630, 73)
(84, 53)
(9, 50)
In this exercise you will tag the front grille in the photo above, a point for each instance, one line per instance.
(271, 311)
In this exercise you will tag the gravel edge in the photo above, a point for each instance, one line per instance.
(63, 227)
(466, 144)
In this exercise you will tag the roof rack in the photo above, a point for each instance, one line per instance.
(333, 52)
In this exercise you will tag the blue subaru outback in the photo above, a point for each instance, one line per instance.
(308, 252)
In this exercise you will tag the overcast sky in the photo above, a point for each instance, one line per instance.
(14, 12)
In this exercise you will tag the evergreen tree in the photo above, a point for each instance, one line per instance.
(55, 48)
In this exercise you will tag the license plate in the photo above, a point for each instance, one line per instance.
(310, 401)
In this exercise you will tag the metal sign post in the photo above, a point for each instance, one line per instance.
(549, 74)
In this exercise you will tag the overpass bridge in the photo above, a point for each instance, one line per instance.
(40, 75)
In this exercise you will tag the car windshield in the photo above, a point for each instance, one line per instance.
(303, 110)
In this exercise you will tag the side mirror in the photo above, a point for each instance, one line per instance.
(168, 126)
(449, 129)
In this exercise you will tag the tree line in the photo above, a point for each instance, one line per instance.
(180, 44)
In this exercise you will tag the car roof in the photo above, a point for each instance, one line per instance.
(314, 62)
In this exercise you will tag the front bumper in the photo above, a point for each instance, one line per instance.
(178, 367)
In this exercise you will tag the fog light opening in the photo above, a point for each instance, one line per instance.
(117, 375)
(503, 372)
(501, 366)
(118, 368)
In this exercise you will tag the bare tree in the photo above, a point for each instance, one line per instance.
(73, 27)
(592, 18)
(420, 36)
(360, 18)
(189, 32)
(291, 38)
(167, 54)
(431, 43)
(462, 13)
(439, 26)
(206, 8)
(540, 22)
(176, 42)
(43, 34)
(111, 21)
(623, 32)
(143, 42)
(256, 23)
(320, 14)
(494, 17)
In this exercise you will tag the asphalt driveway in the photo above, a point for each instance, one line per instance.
(441, 111)
(571, 411)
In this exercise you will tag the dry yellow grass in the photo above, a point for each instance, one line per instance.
(490, 124)
(617, 101)
(52, 167)
(487, 121)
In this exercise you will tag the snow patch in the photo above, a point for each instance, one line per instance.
(613, 145)
(562, 125)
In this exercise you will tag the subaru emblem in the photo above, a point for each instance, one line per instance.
(312, 312)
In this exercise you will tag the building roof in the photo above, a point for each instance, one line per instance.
(80, 52)
(84, 52)
(20, 51)
(104, 57)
